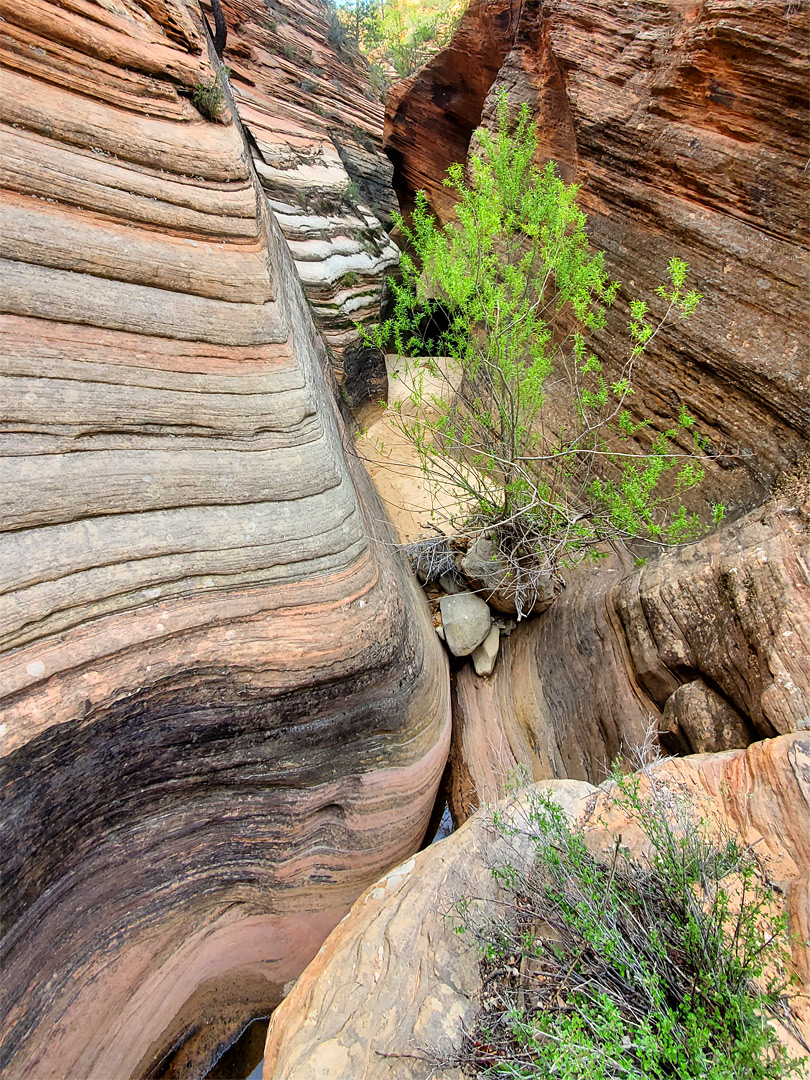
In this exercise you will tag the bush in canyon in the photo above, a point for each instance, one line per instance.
(527, 300)
(601, 967)
(208, 98)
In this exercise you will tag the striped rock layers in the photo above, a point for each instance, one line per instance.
(223, 707)
(686, 125)
(708, 645)
(315, 130)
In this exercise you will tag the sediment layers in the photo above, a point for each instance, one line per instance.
(315, 128)
(224, 710)
(686, 127)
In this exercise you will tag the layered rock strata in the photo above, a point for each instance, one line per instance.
(315, 130)
(708, 645)
(394, 989)
(686, 126)
(224, 709)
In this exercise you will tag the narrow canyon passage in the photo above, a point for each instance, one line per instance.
(226, 713)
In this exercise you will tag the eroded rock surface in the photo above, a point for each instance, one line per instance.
(224, 708)
(315, 128)
(581, 684)
(687, 127)
(394, 988)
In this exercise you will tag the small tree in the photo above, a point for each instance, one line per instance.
(522, 295)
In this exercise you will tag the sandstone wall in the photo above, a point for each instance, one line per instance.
(708, 645)
(686, 125)
(224, 710)
(315, 129)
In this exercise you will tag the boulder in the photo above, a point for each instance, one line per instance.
(699, 721)
(484, 657)
(487, 573)
(466, 622)
(394, 990)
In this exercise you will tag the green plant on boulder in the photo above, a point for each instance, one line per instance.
(671, 965)
(524, 300)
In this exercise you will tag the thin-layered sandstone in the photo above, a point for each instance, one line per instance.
(224, 710)
(315, 130)
(686, 127)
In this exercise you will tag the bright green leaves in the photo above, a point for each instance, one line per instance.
(523, 303)
(602, 967)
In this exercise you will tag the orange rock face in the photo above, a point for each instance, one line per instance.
(223, 707)
(686, 125)
(394, 989)
(709, 645)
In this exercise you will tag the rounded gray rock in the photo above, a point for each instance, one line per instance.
(466, 621)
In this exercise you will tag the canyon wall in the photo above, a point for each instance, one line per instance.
(315, 130)
(686, 126)
(224, 709)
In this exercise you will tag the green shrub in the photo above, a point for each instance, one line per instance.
(208, 98)
(352, 192)
(669, 966)
(526, 298)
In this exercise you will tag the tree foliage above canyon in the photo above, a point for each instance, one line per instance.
(397, 36)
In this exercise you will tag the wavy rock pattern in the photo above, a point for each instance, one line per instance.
(224, 710)
(316, 129)
(686, 125)
(573, 689)
(394, 988)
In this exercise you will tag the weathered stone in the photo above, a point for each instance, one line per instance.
(732, 611)
(315, 130)
(687, 128)
(486, 654)
(466, 621)
(450, 584)
(487, 573)
(394, 983)
(698, 721)
(414, 982)
(224, 708)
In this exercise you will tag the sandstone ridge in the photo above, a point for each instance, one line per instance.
(394, 988)
(224, 709)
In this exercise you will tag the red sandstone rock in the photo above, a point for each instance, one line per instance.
(224, 709)
(394, 988)
(687, 127)
(578, 686)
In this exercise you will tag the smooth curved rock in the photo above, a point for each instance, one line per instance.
(224, 708)
(465, 620)
(394, 988)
